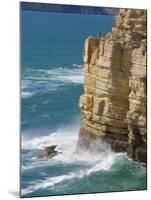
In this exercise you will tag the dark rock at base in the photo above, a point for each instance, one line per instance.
(137, 153)
(141, 155)
(93, 143)
(119, 146)
(87, 142)
(48, 152)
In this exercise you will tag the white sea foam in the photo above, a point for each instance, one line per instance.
(49, 182)
(66, 140)
(27, 94)
(71, 75)
(76, 65)
(49, 79)
(35, 164)
(25, 83)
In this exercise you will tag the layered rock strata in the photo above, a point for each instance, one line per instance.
(113, 106)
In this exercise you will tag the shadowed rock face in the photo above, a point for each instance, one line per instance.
(113, 106)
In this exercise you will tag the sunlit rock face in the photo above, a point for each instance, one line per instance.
(113, 106)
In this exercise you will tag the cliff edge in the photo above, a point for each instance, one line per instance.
(113, 106)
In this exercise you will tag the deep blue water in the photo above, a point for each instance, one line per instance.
(51, 83)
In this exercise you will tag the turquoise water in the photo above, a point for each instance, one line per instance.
(51, 83)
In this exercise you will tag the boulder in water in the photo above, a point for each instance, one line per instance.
(48, 152)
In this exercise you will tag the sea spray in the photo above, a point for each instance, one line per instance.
(66, 140)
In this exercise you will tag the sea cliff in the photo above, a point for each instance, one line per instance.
(113, 106)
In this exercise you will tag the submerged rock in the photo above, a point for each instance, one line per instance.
(48, 152)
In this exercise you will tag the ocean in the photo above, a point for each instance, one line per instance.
(51, 84)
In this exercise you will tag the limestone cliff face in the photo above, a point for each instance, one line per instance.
(113, 106)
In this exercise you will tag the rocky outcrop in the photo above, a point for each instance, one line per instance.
(48, 152)
(113, 106)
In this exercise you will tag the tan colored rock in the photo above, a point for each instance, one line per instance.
(113, 106)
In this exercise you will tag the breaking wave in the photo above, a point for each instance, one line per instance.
(66, 140)
(101, 165)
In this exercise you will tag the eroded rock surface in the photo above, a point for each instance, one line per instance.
(113, 106)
